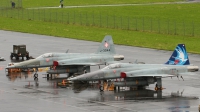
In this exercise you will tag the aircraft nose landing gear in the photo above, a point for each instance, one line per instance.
(101, 88)
(36, 74)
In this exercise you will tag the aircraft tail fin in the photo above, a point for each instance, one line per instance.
(107, 46)
(179, 56)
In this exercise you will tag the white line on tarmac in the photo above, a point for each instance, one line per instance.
(114, 5)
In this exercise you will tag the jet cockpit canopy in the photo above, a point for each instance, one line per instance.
(113, 66)
(46, 55)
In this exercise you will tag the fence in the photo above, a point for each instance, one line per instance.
(164, 26)
(4, 4)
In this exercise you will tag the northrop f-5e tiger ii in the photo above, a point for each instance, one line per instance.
(73, 62)
(141, 75)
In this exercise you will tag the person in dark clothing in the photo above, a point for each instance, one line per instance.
(13, 4)
(61, 3)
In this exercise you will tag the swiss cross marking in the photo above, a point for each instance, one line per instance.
(106, 44)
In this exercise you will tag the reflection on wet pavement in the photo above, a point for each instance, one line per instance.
(176, 101)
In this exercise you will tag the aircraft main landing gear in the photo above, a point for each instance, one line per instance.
(158, 88)
(49, 76)
(101, 86)
(159, 84)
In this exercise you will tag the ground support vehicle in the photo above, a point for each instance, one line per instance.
(19, 51)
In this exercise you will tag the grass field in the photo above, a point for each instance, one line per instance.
(124, 37)
(153, 26)
(137, 18)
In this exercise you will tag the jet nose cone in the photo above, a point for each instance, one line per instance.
(10, 65)
(27, 64)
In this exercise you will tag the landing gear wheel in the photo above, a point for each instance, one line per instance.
(27, 57)
(101, 88)
(156, 87)
(36, 75)
(47, 76)
(11, 57)
(85, 71)
(35, 79)
(17, 58)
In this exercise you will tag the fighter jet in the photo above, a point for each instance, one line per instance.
(73, 62)
(141, 75)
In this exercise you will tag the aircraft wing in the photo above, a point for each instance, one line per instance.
(77, 61)
(91, 61)
(113, 62)
(89, 64)
(157, 72)
(188, 73)
(152, 75)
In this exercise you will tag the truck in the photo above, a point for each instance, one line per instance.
(19, 51)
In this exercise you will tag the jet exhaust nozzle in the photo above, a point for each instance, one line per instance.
(193, 68)
(118, 57)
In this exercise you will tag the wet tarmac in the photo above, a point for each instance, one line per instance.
(20, 93)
